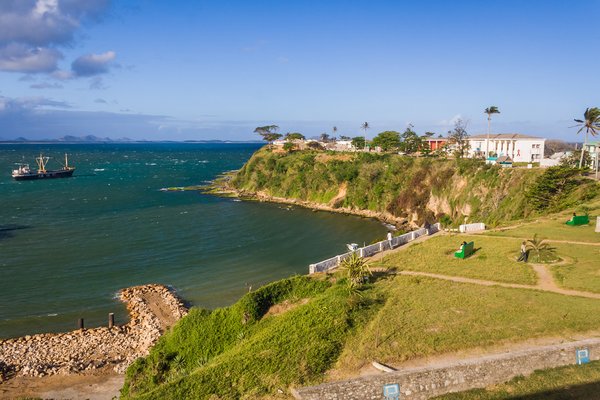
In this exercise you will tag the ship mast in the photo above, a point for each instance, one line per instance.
(41, 162)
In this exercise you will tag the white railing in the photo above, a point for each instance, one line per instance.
(466, 228)
(373, 249)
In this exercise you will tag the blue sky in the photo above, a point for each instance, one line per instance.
(217, 69)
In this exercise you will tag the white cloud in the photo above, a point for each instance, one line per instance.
(92, 64)
(17, 57)
(32, 31)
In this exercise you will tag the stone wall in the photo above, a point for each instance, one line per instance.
(152, 308)
(426, 382)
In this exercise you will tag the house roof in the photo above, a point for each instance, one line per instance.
(505, 136)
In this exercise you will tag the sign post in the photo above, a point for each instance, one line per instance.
(391, 391)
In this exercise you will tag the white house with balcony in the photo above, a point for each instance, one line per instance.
(520, 148)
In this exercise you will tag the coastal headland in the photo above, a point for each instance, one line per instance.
(152, 310)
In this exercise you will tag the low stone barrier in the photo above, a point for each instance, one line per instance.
(426, 382)
(86, 349)
(467, 228)
(597, 224)
(373, 249)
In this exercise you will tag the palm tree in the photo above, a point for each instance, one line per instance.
(489, 111)
(591, 124)
(357, 270)
(364, 127)
(334, 130)
(541, 249)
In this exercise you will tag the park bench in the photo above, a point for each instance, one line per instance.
(466, 251)
(578, 220)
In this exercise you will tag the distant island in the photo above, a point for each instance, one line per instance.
(96, 139)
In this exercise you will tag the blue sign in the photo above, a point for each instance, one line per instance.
(583, 356)
(391, 392)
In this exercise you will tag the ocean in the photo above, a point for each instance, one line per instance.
(68, 245)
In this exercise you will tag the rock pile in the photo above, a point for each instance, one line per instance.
(152, 309)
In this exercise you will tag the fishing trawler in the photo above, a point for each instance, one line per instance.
(23, 172)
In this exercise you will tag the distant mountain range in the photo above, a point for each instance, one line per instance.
(96, 139)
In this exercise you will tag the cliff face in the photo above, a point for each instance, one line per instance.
(417, 190)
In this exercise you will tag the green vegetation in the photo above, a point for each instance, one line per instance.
(581, 267)
(554, 229)
(494, 260)
(553, 190)
(388, 140)
(569, 382)
(422, 189)
(357, 271)
(540, 250)
(591, 125)
(424, 316)
(243, 352)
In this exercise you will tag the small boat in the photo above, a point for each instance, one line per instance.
(23, 172)
(352, 246)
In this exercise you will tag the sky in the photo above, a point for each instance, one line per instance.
(198, 70)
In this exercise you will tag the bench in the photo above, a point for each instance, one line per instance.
(578, 220)
(466, 251)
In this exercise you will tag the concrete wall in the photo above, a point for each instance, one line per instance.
(427, 382)
(373, 249)
(597, 224)
(477, 227)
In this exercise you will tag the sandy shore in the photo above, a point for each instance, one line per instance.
(88, 363)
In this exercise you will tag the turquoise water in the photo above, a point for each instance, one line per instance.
(68, 245)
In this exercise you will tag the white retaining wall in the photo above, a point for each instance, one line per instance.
(597, 224)
(373, 249)
(466, 228)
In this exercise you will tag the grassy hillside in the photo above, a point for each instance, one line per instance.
(417, 189)
(307, 329)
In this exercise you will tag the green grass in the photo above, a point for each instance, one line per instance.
(582, 271)
(238, 352)
(425, 316)
(554, 229)
(569, 382)
(494, 259)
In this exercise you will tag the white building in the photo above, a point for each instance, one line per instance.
(593, 149)
(521, 148)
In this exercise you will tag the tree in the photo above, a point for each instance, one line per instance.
(324, 137)
(342, 137)
(334, 130)
(268, 132)
(489, 111)
(429, 134)
(364, 127)
(294, 136)
(388, 140)
(591, 124)
(554, 146)
(359, 142)
(411, 142)
(541, 250)
(459, 138)
(573, 160)
(357, 270)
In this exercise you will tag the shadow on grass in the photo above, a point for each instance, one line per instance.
(8, 231)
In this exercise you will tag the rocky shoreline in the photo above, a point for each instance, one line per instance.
(222, 187)
(152, 309)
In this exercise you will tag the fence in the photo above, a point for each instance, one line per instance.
(466, 228)
(373, 249)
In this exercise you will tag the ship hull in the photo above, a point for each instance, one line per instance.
(67, 173)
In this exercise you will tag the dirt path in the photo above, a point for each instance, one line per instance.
(547, 286)
(548, 240)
